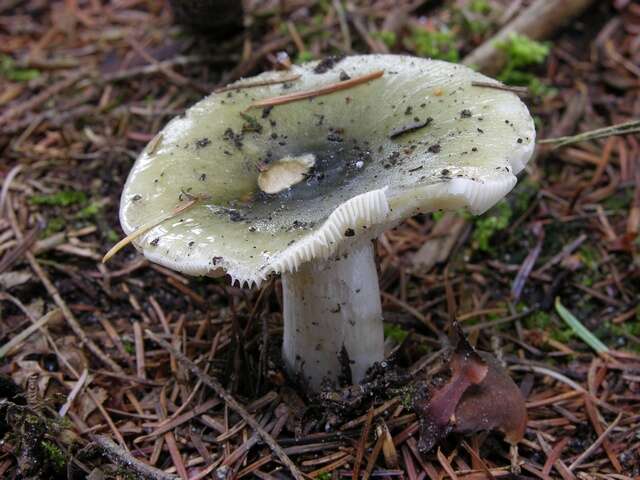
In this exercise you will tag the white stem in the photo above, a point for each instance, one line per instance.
(329, 304)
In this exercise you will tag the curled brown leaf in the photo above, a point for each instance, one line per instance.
(479, 396)
(437, 414)
(494, 404)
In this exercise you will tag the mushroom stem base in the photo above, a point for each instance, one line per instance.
(330, 304)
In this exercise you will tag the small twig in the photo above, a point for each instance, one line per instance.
(595, 445)
(499, 86)
(180, 60)
(553, 455)
(446, 465)
(620, 129)
(69, 316)
(24, 334)
(364, 438)
(121, 457)
(74, 393)
(231, 401)
(176, 422)
(44, 96)
(560, 466)
(331, 88)
(375, 453)
(166, 70)
(344, 26)
(13, 173)
(139, 346)
(565, 252)
(259, 83)
(527, 266)
(567, 381)
(145, 228)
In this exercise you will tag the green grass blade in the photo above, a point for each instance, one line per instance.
(579, 329)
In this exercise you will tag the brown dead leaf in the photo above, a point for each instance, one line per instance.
(437, 414)
(494, 404)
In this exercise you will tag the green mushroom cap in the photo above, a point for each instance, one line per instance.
(339, 167)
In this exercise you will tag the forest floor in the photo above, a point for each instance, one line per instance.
(85, 85)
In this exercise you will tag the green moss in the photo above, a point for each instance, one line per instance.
(524, 194)
(437, 44)
(586, 281)
(486, 226)
(396, 333)
(473, 17)
(324, 476)
(630, 327)
(54, 225)
(112, 236)
(462, 212)
(303, 57)
(437, 216)
(129, 347)
(522, 53)
(480, 6)
(562, 335)
(388, 38)
(60, 199)
(89, 211)
(619, 201)
(251, 125)
(55, 455)
(9, 71)
(406, 394)
(538, 321)
(590, 257)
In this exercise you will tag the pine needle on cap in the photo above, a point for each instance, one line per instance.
(148, 226)
(327, 89)
(259, 83)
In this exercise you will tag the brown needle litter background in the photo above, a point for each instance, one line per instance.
(129, 369)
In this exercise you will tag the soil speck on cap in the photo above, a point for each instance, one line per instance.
(328, 63)
(203, 142)
(434, 148)
(417, 125)
(349, 232)
(232, 137)
(466, 113)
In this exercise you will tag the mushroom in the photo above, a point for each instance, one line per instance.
(300, 188)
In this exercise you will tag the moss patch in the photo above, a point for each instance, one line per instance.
(394, 332)
(486, 226)
(60, 199)
(522, 53)
(436, 44)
